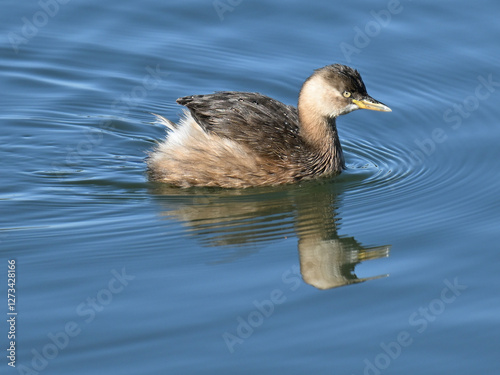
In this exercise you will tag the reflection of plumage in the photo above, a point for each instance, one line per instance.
(328, 264)
(235, 139)
(240, 222)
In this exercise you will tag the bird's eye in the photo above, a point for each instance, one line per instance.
(346, 94)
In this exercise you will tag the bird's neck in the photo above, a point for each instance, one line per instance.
(320, 134)
(315, 129)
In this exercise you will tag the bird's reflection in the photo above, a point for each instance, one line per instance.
(233, 218)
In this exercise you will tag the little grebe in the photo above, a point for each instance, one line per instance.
(238, 139)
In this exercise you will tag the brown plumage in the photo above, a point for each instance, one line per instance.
(238, 139)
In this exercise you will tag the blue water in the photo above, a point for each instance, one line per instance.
(390, 268)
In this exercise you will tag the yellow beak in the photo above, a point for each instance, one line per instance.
(369, 103)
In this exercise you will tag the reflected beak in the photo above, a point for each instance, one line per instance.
(369, 103)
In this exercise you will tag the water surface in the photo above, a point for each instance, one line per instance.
(388, 268)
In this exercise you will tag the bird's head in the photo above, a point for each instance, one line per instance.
(336, 90)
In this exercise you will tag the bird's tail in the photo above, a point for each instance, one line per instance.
(163, 121)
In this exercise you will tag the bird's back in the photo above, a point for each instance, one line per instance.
(264, 125)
